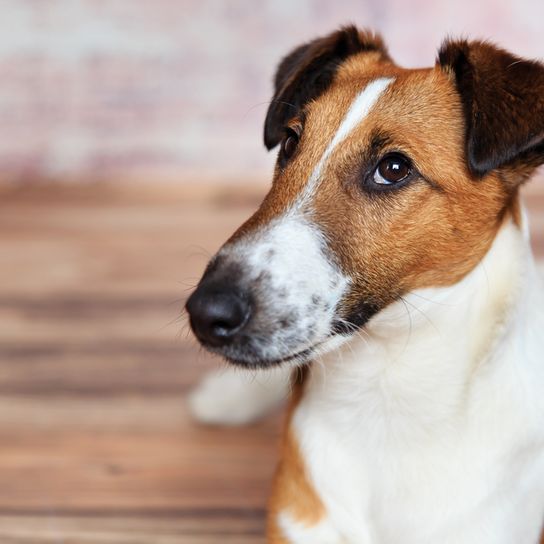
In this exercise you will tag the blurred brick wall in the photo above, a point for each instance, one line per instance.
(177, 89)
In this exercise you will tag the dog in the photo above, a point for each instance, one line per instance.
(392, 253)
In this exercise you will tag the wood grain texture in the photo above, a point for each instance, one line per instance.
(96, 442)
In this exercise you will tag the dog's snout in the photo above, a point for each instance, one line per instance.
(217, 314)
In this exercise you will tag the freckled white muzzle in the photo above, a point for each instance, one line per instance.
(269, 297)
(293, 290)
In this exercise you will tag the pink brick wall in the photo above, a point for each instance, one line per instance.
(178, 88)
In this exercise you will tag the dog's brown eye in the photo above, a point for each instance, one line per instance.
(392, 169)
(289, 144)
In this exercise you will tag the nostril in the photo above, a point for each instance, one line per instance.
(217, 314)
(219, 325)
(222, 328)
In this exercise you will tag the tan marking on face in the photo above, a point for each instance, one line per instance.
(292, 491)
(421, 235)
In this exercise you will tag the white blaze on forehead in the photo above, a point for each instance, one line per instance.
(359, 109)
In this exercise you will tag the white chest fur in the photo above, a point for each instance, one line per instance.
(429, 426)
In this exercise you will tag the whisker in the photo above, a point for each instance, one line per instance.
(423, 314)
(410, 325)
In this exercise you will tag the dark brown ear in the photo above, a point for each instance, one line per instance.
(503, 101)
(307, 71)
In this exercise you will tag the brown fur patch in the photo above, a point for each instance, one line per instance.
(292, 491)
(428, 234)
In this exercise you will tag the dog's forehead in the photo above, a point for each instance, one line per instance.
(418, 110)
(422, 98)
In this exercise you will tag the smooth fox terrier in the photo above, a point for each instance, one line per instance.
(392, 252)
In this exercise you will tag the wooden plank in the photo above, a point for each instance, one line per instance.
(101, 369)
(82, 317)
(228, 526)
(89, 464)
(112, 240)
(97, 445)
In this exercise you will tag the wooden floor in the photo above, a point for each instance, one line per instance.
(96, 445)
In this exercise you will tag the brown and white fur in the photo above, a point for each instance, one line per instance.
(420, 418)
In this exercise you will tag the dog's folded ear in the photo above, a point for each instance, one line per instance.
(503, 102)
(307, 71)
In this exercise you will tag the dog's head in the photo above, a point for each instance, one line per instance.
(387, 180)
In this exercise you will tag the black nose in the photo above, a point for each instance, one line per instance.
(217, 314)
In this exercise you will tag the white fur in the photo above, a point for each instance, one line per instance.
(359, 109)
(233, 396)
(429, 427)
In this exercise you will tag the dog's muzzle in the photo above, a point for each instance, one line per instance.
(269, 298)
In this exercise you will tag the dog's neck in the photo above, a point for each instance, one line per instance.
(414, 365)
